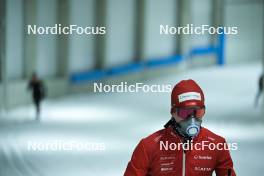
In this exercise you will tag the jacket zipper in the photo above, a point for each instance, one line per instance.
(184, 163)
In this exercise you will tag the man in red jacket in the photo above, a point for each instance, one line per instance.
(183, 148)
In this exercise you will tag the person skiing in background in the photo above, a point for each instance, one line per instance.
(260, 89)
(38, 92)
(151, 157)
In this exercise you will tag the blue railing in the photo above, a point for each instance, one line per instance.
(94, 75)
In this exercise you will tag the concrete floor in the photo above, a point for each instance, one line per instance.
(119, 121)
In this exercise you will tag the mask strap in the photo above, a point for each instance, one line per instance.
(169, 123)
(176, 128)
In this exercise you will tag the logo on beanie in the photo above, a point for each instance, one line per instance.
(189, 96)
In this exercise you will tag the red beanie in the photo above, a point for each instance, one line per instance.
(187, 93)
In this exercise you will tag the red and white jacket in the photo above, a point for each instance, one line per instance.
(153, 157)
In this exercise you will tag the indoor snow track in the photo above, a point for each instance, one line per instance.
(120, 120)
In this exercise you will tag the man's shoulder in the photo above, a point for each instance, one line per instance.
(206, 133)
(155, 137)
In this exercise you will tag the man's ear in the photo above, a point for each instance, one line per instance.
(173, 115)
(172, 111)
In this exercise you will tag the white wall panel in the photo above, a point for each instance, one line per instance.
(46, 44)
(159, 12)
(201, 15)
(14, 39)
(120, 32)
(248, 44)
(81, 47)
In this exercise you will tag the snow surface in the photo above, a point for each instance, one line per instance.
(120, 120)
